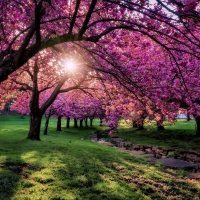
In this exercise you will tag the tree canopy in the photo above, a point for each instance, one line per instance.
(28, 27)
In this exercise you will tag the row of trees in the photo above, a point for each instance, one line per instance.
(140, 59)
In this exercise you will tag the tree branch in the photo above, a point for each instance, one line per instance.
(74, 16)
(87, 18)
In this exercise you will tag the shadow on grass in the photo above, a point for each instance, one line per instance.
(8, 181)
(13, 169)
(84, 170)
(100, 173)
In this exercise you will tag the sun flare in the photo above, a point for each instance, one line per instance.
(69, 65)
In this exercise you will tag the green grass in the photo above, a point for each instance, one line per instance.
(180, 135)
(63, 166)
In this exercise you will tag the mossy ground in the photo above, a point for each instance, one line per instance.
(67, 165)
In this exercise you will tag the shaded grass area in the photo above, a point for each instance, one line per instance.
(180, 135)
(67, 165)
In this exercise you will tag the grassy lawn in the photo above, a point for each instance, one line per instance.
(64, 166)
(181, 135)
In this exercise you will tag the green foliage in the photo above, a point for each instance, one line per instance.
(64, 166)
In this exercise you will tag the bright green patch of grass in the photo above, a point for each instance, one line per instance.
(63, 166)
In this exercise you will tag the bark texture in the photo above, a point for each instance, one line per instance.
(46, 125)
(197, 126)
(35, 123)
(75, 123)
(68, 122)
(59, 123)
(81, 123)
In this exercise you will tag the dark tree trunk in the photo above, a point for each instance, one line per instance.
(81, 123)
(197, 119)
(59, 123)
(160, 125)
(68, 122)
(6, 110)
(75, 123)
(35, 114)
(46, 124)
(140, 124)
(35, 123)
(91, 120)
(140, 127)
(135, 125)
(188, 117)
(86, 122)
(101, 122)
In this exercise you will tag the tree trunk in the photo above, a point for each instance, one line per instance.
(140, 124)
(35, 114)
(101, 122)
(6, 110)
(35, 123)
(46, 124)
(188, 117)
(197, 119)
(81, 123)
(86, 122)
(75, 123)
(160, 125)
(91, 120)
(59, 123)
(135, 125)
(68, 122)
(140, 127)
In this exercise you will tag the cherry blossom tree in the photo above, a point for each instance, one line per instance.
(161, 85)
(35, 80)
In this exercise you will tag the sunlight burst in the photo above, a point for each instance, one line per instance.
(70, 65)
